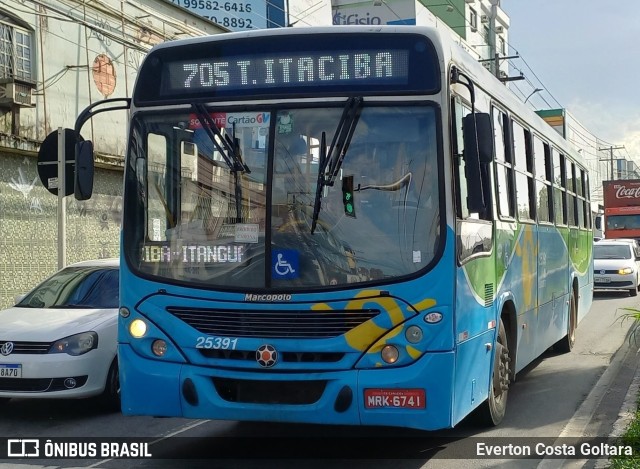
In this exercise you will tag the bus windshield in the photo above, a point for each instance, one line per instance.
(227, 201)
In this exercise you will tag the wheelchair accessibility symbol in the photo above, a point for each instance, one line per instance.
(284, 264)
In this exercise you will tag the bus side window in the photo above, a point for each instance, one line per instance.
(460, 110)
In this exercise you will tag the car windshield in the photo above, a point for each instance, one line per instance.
(612, 251)
(76, 287)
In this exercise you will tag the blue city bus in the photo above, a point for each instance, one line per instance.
(339, 225)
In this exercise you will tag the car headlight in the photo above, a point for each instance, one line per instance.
(626, 270)
(76, 344)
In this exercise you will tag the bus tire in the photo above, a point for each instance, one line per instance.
(492, 411)
(565, 345)
(110, 397)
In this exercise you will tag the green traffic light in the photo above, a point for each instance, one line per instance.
(347, 196)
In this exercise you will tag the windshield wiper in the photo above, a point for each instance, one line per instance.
(331, 162)
(228, 148)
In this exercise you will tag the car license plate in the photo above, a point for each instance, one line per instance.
(395, 398)
(603, 279)
(10, 371)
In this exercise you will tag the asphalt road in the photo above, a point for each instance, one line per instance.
(556, 398)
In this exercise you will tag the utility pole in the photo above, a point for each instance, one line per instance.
(611, 148)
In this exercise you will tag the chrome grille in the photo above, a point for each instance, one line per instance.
(28, 348)
(274, 324)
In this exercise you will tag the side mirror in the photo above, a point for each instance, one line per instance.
(484, 132)
(83, 184)
(48, 156)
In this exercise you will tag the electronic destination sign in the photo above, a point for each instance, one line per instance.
(290, 70)
(303, 65)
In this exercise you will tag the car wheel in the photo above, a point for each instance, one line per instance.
(633, 292)
(110, 397)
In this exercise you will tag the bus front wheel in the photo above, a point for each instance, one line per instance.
(492, 411)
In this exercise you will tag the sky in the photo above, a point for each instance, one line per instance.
(585, 55)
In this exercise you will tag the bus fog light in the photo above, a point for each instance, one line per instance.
(137, 328)
(389, 354)
(159, 347)
(413, 334)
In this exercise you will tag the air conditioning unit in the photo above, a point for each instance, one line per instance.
(499, 30)
(17, 93)
(484, 19)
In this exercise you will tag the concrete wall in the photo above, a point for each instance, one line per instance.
(29, 223)
(81, 52)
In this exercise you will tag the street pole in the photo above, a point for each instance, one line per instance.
(611, 148)
(62, 209)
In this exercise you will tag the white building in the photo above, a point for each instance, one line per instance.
(56, 58)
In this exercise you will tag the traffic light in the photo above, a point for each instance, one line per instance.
(347, 196)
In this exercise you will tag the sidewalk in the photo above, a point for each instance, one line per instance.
(608, 408)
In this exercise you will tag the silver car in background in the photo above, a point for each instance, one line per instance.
(616, 265)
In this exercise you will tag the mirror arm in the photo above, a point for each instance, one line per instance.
(456, 74)
(88, 112)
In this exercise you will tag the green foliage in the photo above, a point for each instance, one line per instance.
(631, 437)
(632, 314)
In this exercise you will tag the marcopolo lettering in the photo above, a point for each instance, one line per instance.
(278, 297)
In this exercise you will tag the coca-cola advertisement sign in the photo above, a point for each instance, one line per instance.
(622, 193)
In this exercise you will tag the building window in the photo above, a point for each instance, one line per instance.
(16, 48)
(502, 45)
(473, 19)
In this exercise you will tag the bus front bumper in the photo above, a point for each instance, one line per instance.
(417, 396)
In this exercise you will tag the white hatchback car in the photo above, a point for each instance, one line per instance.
(60, 340)
(616, 265)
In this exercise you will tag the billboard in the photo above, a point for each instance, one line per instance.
(238, 16)
(349, 12)
(621, 193)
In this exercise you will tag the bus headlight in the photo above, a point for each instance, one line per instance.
(389, 354)
(137, 328)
